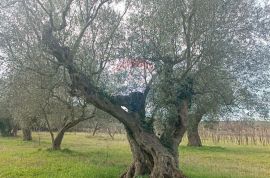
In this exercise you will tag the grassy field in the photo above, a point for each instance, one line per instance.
(101, 157)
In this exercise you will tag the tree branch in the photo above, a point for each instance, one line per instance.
(81, 34)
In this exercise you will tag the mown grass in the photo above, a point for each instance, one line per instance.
(100, 157)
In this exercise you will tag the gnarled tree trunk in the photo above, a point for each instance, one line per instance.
(164, 163)
(27, 134)
(150, 157)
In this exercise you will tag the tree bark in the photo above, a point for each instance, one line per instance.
(27, 134)
(150, 157)
(164, 162)
(141, 165)
(155, 157)
(192, 131)
(172, 137)
(56, 145)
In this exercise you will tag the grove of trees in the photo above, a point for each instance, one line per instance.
(158, 67)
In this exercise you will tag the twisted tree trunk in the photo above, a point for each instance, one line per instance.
(151, 157)
(165, 164)
(155, 156)
(141, 165)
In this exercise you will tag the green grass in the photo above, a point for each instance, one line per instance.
(100, 157)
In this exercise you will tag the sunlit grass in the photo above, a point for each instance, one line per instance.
(101, 157)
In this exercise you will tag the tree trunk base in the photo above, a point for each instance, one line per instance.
(56, 145)
(165, 168)
(162, 169)
(141, 162)
(196, 144)
(136, 169)
(194, 139)
(151, 158)
(27, 134)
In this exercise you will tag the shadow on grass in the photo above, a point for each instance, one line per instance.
(63, 151)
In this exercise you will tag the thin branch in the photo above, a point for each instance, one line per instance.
(43, 7)
(81, 34)
(64, 14)
(48, 123)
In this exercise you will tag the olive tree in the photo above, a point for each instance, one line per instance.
(24, 103)
(63, 113)
(176, 36)
(213, 94)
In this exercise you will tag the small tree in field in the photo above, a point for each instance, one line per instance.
(23, 105)
(64, 115)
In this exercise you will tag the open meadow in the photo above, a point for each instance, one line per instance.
(100, 157)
